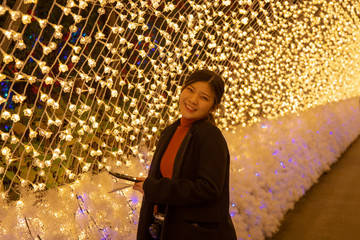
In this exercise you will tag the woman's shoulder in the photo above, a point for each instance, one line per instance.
(170, 128)
(206, 133)
(173, 124)
(205, 126)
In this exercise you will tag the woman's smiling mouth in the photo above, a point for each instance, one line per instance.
(189, 108)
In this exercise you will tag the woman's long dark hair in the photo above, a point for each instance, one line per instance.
(215, 82)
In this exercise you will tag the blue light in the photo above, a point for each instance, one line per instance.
(81, 211)
(134, 199)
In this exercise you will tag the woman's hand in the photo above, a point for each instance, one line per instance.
(138, 186)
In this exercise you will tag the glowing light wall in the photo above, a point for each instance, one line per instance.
(275, 162)
(86, 87)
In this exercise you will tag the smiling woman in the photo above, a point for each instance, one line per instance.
(196, 100)
(201, 95)
(186, 195)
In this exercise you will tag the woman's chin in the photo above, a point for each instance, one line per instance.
(192, 116)
(187, 116)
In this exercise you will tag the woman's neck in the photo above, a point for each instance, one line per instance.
(185, 122)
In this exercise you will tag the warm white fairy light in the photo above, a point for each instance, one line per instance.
(4, 136)
(5, 115)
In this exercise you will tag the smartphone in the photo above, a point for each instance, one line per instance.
(125, 177)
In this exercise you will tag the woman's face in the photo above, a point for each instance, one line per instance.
(196, 100)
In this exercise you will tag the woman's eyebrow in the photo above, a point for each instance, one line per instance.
(203, 93)
(207, 95)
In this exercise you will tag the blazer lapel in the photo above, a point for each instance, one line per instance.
(180, 156)
(160, 149)
(179, 159)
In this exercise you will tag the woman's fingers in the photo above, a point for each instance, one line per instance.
(138, 186)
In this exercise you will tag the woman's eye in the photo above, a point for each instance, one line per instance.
(205, 98)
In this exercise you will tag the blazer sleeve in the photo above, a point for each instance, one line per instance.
(207, 184)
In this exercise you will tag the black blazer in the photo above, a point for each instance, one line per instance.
(197, 196)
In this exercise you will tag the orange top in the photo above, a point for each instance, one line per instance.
(167, 161)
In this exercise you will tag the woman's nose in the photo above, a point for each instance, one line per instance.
(194, 99)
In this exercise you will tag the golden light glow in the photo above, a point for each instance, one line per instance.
(118, 85)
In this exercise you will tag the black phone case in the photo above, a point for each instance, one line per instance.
(125, 177)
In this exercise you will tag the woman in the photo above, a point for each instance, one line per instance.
(187, 191)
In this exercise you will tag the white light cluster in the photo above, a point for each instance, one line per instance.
(119, 83)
